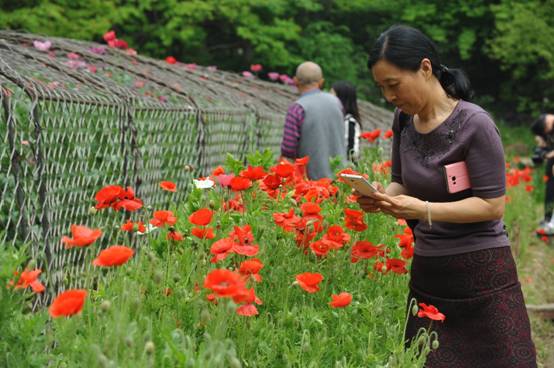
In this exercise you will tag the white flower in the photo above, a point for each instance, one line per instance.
(149, 229)
(203, 184)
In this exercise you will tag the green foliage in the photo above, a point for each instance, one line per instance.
(504, 47)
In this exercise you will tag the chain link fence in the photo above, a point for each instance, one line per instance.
(80, 116)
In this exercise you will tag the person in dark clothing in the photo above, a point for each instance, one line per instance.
(462, 262)
(543, 128)
(346, 93)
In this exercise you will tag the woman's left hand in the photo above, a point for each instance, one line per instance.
(402, 206)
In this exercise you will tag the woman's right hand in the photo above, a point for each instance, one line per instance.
(367, 203)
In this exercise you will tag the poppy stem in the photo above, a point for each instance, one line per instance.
(168, 255)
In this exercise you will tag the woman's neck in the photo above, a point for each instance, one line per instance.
(437, 109)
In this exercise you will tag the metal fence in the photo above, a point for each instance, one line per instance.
(80, 116)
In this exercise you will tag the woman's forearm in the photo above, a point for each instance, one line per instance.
(473, 209)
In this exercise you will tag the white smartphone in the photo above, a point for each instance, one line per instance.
(359, 183)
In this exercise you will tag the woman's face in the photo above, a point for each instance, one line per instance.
(403, 88)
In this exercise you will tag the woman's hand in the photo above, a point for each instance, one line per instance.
(367, 203)
(400, 206)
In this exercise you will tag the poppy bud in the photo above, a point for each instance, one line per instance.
(92, 211)
(158, 276)
(234, 362)
(415, 309)
(188, 168)
(103, 360)
(435, 344)
(176, 277)
(128, 341)
(205, 316)
(211, 204)
(105, 306)
(306, 345)
(149, 347)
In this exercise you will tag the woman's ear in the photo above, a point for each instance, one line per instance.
(426, 68)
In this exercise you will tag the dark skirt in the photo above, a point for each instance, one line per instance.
(486, 321)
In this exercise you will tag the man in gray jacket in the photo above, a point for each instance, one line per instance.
(314, 124)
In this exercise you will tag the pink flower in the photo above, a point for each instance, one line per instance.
(273, 76)
(224, 179)
(247, 74)
(42, 46)
(256, 68)
(131, 52)
(100, 50)
(73, 56)
(191, 66)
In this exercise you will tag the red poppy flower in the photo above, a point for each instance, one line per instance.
(336, 234)
(131, 226)
(239, 183)
(169, 186)
(107, 195)
(116, 255)
(341, 300)
(218, 171)
(371, 136)
(431, 312)
(284, 169)
(388, 134)
(119, 44)
(174, 235)
(224, 283)
(379, 266)
(309, 281)
(310, 208)
(321, 247)
(407, 252)
(252, 267)
(170, 60)
(247, 310)
(396, 265)
(68, 303)
(256, 68)
(221, 249)
(118, 198)
(365, 250)
(162, 218)
(253, 173)
(109, 36)
(234, 204)
(30, 278)
(529, 188)
(203, 233)
(202, 217)
(272, 182)
(302, 161)
(287, 221)
(354, 220)
(242, 235)
(82, 236)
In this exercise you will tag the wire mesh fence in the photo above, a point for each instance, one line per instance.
(79, 116)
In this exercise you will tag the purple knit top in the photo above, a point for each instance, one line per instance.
(418, 160)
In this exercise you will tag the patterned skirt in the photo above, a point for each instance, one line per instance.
(486, 321)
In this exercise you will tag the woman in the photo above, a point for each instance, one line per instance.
(462, 263)
(346, 93)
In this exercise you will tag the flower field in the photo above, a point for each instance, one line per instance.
(259, 267)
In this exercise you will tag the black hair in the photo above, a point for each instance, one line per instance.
(539, 125)
(405, 47)
(346, 93)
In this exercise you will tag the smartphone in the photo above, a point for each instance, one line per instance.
(457, 177)
(359, 183)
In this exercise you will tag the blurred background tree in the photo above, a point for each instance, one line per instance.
(503, 45)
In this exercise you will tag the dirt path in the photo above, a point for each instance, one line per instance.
(536, 273)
